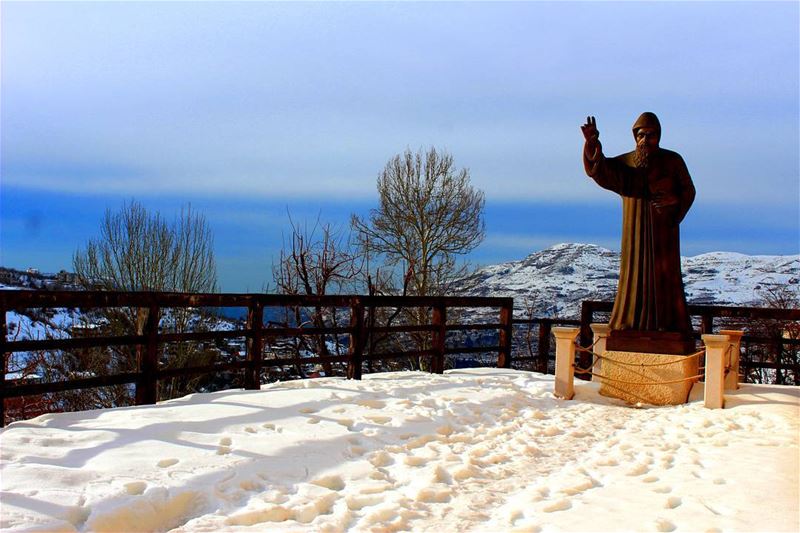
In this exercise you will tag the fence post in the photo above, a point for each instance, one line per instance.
(601, 333)
(3, 336)
(716, 347)
(439, 320)
(565, 361)
(543, 347)
(732, 377)
(369, 321)
(706, 323)
(356, 348)
(506, 334)
(147, 384)
(255, 345)
(587, 315)
(777, 350)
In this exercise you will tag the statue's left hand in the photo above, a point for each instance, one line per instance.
(662, 200)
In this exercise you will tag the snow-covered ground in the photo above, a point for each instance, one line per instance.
(471, 450)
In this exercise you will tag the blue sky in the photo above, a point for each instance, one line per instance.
(249, 109)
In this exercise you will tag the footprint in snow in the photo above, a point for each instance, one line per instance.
(638, 470)
(135, 488)
(415, 460)
(333, 482)
(434, 494)
(357, 451)
(673, 502)
(662, 524)
(356, 502)
(379, 419)
(251, 485)
(224, 447)
(381, 458)
(560, 505)
(346, 422)
(372, 404)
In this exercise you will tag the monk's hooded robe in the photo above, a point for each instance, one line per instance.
(650, 293)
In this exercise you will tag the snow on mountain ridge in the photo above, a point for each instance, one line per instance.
(557, 279)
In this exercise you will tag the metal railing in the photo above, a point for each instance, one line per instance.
(360, 334)
(150, 338)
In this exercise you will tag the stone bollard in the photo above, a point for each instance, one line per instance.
(732, 379)
(716, 348)
(565, 361)
(601, 332)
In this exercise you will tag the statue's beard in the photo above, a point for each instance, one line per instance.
(642, 156)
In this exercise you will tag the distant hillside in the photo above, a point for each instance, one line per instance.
(556, 280)
(11, 278)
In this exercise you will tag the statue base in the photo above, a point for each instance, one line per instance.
(658, 342)
(651, 378)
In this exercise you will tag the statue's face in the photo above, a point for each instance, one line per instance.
(647, 140)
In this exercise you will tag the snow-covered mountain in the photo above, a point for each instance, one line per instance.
(556, 280)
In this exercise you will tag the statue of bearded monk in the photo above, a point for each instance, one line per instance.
(657, 192)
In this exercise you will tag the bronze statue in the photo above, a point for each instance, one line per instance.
(650, 312)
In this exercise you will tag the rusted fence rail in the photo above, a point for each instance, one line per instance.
(539, 353)
(148, 341)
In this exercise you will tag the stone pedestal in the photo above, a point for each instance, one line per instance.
(659, 342)
(633, 378)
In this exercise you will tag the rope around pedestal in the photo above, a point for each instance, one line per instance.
(623, 363)
(598, 357)
(667, 382)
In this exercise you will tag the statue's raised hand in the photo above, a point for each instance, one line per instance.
(589, 129)
(592, 148)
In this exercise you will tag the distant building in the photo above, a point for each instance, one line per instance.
(70, 278)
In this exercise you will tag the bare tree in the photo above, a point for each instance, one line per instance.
(140, 251)
(316, 261)
(429, 214)
(783, 350)
(772, 341)
(315, 264)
